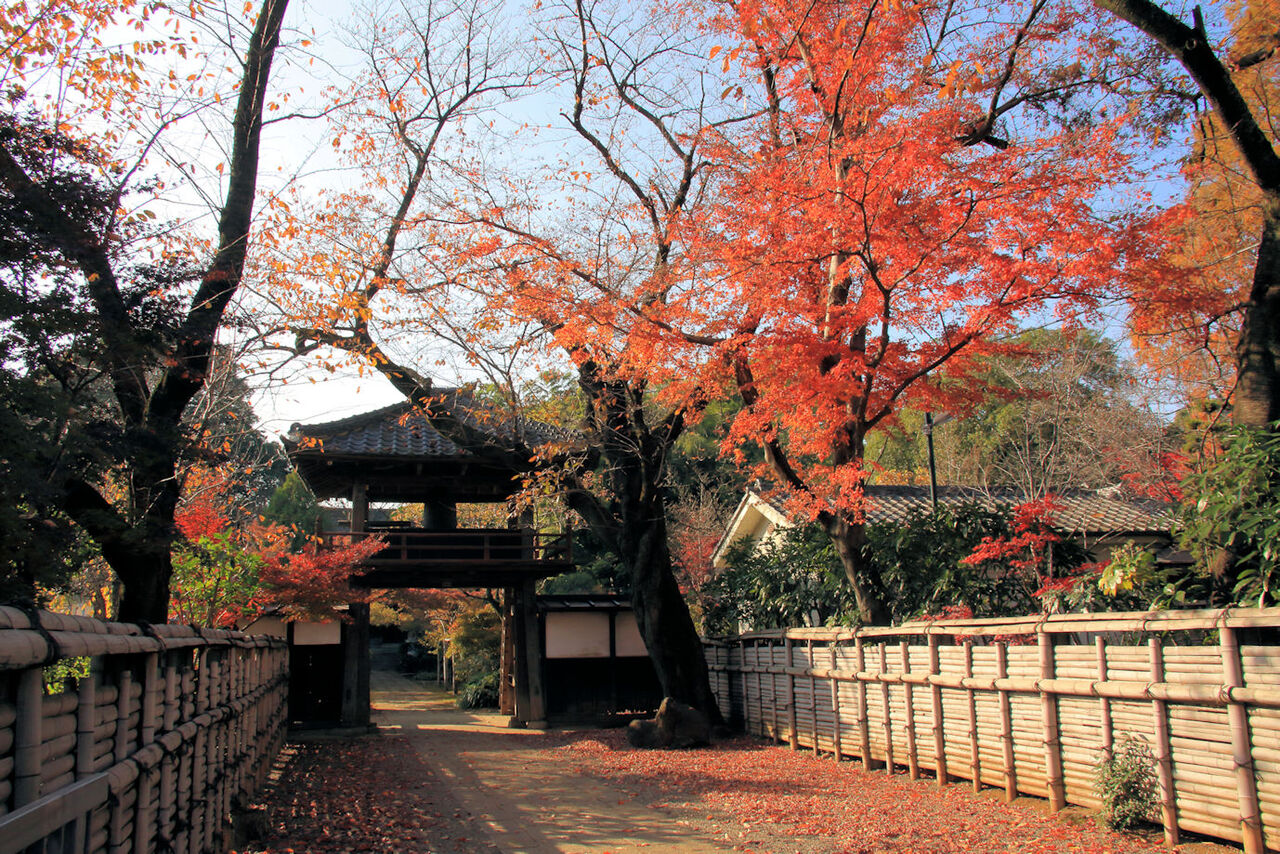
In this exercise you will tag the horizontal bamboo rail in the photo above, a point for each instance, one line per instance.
(1036, 718)
(148, 751)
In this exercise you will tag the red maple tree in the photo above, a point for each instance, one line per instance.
(887, 218)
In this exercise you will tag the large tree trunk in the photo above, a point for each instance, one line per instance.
(1256, 400)
(1257, 397)
(634, 523)
(850, 541)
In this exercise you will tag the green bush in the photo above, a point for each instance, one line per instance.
(1126, 784)
(479, 693)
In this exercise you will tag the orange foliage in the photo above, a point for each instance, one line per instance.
(861, 256)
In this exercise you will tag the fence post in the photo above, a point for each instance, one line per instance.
(1052, 742)
(793, 735)
(1104, 704)
(887, 709)
(1164, 754)
(975, 755)
(835, 701)
(864, 720)
(27, 736)
(908, 695)
(1238, 718)
(813, 692)
(1006, 723)
(939, 731)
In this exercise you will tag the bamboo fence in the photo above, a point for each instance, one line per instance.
(1032, 705)
(147, 752)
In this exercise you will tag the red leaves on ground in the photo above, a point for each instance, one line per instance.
(859, 811)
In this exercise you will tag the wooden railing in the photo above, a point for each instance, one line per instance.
(1033, 705)
(147, 747)
(404, 545)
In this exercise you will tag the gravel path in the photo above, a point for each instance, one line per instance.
(435, 779)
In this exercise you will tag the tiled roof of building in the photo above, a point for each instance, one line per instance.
(1082, 511)
(401, 430)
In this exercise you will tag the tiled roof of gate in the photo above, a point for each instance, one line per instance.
(1082, 511)
(402, 430)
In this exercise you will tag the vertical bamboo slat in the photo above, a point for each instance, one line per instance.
(836, 747)
(1104, 704)
(27, 737)
(913, 759)
(886, 710)
(1164, 750)
(975, 755)
(864, 733)
(793, 734)
(1006, 724)
(1052, 742)
(813, 693)
(86, 722)
(935, 703)
(1242, 755)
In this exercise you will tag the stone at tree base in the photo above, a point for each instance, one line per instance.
(677, 725)
(643, 733)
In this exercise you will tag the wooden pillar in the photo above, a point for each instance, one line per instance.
(359, 508)
(506, 666)
(439, 515)
(355, 685)
(533, 652)
(1238, 719)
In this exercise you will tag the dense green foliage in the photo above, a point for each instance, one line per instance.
(294, 506)
(796, 579)
(475, 647)
(1231, 523)
(792, 580)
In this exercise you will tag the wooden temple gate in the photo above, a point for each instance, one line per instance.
(396, 455)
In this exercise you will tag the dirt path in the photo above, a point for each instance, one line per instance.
(525, 795)
(436, 779)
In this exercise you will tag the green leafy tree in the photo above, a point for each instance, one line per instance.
(294, 506)
(1231, 522)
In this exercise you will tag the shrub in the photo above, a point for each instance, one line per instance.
(479, 693)
(1126, 785)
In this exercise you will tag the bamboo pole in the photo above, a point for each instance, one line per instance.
(793, 734)
(1006, 724)
(813, 693)
(1052, 741)
(1104, 704)
(1164, 751)
(27, 737)
(835, 706)
(864, 734)
(975, 757)
(913, 760)
(1238, 718)
(939, 729)
(86, 722)
(887, 710)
